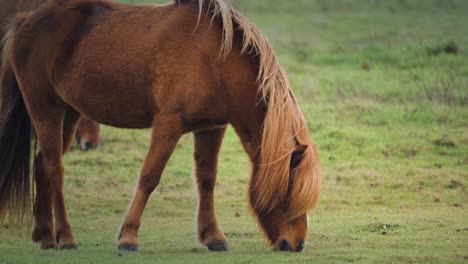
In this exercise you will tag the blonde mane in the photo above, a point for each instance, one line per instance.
(284, 127)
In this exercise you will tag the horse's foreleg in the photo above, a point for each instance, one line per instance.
(207, 145)
(167, 130)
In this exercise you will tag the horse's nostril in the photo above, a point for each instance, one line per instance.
(300, 246)
(284, 246)
(88, 145)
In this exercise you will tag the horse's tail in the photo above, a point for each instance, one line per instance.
(15, 141)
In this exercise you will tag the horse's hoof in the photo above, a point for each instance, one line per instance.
(69, 247)
(219, 246)
(36, 235)
(128, 247)
(50, 245)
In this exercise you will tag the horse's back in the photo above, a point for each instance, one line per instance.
(105, 57)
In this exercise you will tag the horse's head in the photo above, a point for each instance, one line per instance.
(286, 223)
(87, 134)
(285, 234)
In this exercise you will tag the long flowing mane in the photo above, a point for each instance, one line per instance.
(284, 127)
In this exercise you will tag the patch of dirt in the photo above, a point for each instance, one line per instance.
(406, 152)
(341, 179)
(365, 66)
(444, 142)
(454, 184)
(240, 234)
(449, 47)
(382, 228)
(411, 152)
(396, 186)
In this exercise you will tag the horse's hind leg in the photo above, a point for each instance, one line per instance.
(207, 145)
(43, 231)
(167, 130)
(51, 133)
(48, 125)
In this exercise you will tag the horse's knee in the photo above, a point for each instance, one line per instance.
(148, 183)
(53, 174)
(206, 184)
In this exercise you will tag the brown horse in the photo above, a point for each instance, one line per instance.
(187, 66)
(87, 134)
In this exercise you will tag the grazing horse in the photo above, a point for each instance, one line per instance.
(186, 66)
(87, 134)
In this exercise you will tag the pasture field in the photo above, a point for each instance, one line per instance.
(384, 87)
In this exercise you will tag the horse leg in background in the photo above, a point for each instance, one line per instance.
(49, 125)
(63, 231)
(207, 146)
(87, 134)
(167, 130)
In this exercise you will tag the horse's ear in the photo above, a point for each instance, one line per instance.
(297, 156)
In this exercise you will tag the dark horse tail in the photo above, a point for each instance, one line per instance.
(16, 135)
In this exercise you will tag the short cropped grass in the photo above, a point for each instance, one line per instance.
(384, 87)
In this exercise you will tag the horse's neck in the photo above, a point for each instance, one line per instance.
(247, 122)
(247, 111)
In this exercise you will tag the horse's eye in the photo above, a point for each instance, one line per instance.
(297, 155)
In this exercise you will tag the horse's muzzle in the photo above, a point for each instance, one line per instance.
(284, 246)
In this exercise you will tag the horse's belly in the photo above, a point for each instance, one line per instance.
(111, 103)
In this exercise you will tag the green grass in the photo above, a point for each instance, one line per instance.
(387, 106)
